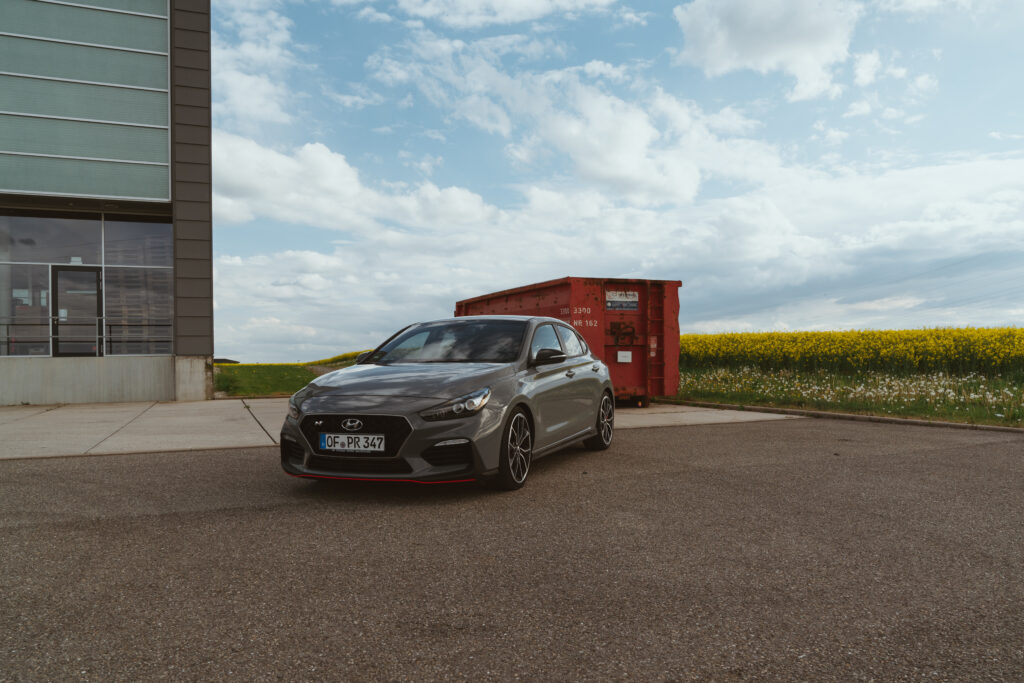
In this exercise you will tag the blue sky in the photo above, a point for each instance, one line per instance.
(798, 164)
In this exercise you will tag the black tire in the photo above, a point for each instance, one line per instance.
(605, 425)
(516, 452)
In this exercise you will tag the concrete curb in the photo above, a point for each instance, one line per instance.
(199, 449)
(846, 416)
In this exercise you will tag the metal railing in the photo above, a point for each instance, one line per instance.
(43, 336)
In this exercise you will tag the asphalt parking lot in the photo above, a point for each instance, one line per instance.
(797, 549)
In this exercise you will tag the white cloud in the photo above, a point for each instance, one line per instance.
(598, 69)
(889, 303)
(251, 53)
(996, 135)
(896, 72)
(866, 68)
(648, 150)
(804, 38)
(919, 6)
(922, 86)
(315, 186)
(859, 108)
(732, 121)
(424, 164)
(374, 16)
(361, 97)
(835, 137)
(830, 136)
(477, 13)
(630, 17)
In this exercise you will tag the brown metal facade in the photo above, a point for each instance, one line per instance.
(190, 177)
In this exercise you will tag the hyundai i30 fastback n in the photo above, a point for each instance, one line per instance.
(473, 398)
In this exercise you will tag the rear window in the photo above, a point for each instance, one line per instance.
(471, 341)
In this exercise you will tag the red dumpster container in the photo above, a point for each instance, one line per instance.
(633, 325)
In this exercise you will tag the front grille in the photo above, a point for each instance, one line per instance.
(395, 430)
(359, 465)
(445, 456)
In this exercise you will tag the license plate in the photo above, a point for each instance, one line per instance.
(352, 443)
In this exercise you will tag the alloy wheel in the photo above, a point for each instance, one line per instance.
(520, 448)
(606, 420)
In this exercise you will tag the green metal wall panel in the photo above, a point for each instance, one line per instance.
(82, 25)
(81, 139)
(77, 62)
(158, 7)
(82, 101)
(41, 74)
(36, 175)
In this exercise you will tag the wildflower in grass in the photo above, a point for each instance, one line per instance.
(937, 395)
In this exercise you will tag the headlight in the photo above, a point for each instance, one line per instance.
(464, 406)
(293, 410)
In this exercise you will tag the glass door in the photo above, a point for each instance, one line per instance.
(76, 322)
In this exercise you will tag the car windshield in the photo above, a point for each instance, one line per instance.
(469, 341)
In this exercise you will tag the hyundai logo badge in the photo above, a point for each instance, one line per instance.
(352, 425)
(319, 423)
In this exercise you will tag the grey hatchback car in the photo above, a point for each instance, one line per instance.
(473, 398)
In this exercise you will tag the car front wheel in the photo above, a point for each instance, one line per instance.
(605, 426)
(516, 452)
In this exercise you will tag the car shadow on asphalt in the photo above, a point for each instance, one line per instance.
(406, 493)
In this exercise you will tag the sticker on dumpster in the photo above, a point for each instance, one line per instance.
(625, 356)
(622, 301)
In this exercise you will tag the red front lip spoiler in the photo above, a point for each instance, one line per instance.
(408, 481)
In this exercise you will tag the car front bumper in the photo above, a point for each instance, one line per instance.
(456, 450)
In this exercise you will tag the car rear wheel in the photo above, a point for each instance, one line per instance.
(516, 452)
(605, 426)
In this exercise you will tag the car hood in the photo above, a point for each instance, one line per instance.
(410, 380)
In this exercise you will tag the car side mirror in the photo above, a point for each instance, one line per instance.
(549, 357)
(361, 357)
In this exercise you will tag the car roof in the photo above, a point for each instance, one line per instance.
(524, 318)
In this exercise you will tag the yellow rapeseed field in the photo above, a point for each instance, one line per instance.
(952, 350)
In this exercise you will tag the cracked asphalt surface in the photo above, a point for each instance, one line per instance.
(801, 550)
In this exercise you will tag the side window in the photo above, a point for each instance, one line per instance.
(570, 342)
(544, 338)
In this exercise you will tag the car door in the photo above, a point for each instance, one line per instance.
(584, 390)
(553, 404)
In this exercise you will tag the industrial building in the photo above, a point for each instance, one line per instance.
(105, 223)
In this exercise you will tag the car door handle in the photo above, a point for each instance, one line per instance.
(570, 373)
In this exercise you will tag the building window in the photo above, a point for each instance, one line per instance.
(28, 239)
(139, 310)
(45, 311)
(137, 243)
(24, 310)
